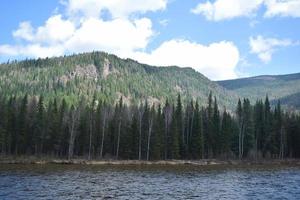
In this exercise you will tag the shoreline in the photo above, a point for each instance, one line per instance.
(203, 162)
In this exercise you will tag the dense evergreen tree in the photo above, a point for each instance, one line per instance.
(95, 129)
(197, 134)
(248, 132)
(226, 135)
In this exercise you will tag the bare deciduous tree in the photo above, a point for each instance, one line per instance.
(72, 125)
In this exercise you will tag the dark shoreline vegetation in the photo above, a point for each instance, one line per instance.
(100, 131)
(31, 160)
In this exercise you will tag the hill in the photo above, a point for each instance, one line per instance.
(278, 87)
(108, 77)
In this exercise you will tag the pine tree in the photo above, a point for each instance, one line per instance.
(196, 137)
(175, 148)
(11, 125)
(258, 127)
(180, 127)
(32, 126)
(63, 128)
(216, 129)
(240, 120)
(208, 136)
(158, 132)
(73, 118)
(267, 127)
(248, 135)
(168, 115)
(54, 133)
(134, 135)
(278, 138)
(22, 127)
(40, 134)
(226, 135)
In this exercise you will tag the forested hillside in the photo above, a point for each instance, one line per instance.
(172, 131)
(281, 87)
(80, 77)
(96, 105)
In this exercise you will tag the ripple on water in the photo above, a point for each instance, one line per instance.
(65, 182)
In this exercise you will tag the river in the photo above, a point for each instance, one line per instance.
(148, 182)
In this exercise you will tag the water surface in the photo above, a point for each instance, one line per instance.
(148, 182)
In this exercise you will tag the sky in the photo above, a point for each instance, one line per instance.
(222, 39)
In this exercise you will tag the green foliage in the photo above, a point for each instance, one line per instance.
(285, 88)
(92, 106)
(63, 130)
(106, 77)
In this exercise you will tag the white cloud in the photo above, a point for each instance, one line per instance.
(164, 22)
(116, 36)
(117, 8)
(228, 9)
(265, 47)
(55, 30)
(287, 8)
(25, 31)
(124, 35)
(31, 50)
(217, 60)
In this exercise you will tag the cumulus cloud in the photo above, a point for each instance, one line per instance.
(117, 8)
(117, 36)
(265, 47)
(217, 60)
(25, 31)
(55, 30)
(83, 29)
(228, 9)
(65, 34)
(32, 50)
(287, 8)
(59, 36)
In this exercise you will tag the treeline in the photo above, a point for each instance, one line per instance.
(99, 130)
(107, 76)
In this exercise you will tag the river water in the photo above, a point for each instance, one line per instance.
(148, 182)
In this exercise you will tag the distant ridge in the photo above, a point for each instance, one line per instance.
(285, 88)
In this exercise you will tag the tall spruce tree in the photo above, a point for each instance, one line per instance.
(196, 137)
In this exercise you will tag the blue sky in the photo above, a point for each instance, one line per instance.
(222, 39)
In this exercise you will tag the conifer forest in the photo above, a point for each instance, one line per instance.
(101, 130)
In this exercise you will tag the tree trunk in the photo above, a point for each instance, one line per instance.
(118, 141)
(202, 140)
(281, 153)
(71, 140)
(141, 112)
(149, 138)
(91, 135)
(140, 138)
(256, 148)
(103, 134)
(241, 140)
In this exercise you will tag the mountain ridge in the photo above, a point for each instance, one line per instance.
(278, 87)
(109, 78)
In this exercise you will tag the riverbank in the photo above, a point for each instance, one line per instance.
(203, 162)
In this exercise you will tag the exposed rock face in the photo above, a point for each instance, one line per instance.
(88, 71)
(107, 68)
